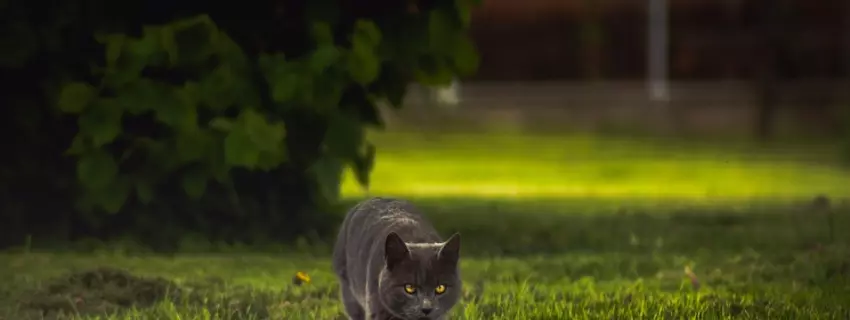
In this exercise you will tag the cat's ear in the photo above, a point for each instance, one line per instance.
(395, 250)
(450, 252)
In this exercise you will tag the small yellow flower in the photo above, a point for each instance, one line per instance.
(692, 277)
(300, 277)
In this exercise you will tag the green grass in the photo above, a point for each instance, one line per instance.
(524, 259)
(553, 228)
(502, 165)
(588, 286)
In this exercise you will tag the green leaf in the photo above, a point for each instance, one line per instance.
(101, 122)
(217, 165)
(343, 137)
(265, 135)
(441, 31)
(125, 66)
(328, 98)
(144, 48)
(144, 192)
(307, 90)
(159, 154)
(78, 146)
(142, 96)
(324, 57)
(228, 50)
(114, 45)
(364, 164)
(239, 150)
(96, 170)
(195, 183)
(190, 93)
(360, 105)
(113, 198)
(328, 174)
(363, 62)
(269, 62)
(254, 142)
(465, 57)
(321, 32)
(178, 109)
(392, 85)
(193, 40)
(193, 145)
(168, 43)
(221, 124)
(363, 65)
(283, 80)
(218, 88)
(284, 87)
(433, 72)
(270, 159)
(76, 96)
(464, 11)
(366, 33)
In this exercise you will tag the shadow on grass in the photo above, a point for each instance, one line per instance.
(102, 290)
(110, 292)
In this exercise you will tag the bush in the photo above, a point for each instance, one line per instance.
(185, 117)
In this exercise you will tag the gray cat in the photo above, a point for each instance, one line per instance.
(392, 264)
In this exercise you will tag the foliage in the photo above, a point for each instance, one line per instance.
(200, 99)
(217, 81)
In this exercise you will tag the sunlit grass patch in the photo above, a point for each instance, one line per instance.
(485, 165)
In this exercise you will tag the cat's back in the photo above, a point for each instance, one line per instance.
(381, 212)
(372, 219)
(367, 224)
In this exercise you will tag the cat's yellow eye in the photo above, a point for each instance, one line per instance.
(409, 288)
(440, 289)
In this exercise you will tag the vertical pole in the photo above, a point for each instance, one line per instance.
(657, 49)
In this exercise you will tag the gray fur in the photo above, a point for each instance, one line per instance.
(384, 244)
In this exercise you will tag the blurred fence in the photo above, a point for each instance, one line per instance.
(735, 67)
(809, 108)
(708, 39)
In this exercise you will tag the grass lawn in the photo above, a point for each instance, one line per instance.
(554, 228)
(506, 165)
(651, 262)
(567, 286)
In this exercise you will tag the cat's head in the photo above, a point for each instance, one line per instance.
(420, 280)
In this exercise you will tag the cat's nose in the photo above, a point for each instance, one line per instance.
(427, 310)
